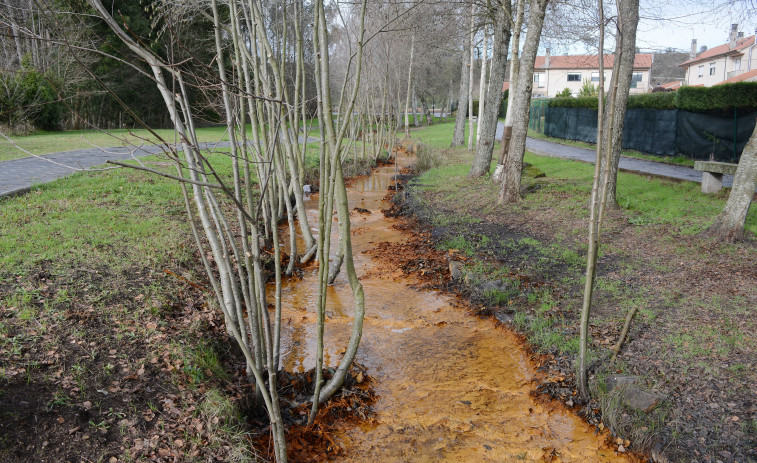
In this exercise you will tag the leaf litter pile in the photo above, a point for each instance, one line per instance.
(320, 440)
(104, 364)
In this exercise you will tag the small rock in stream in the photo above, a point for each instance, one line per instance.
(456, 269)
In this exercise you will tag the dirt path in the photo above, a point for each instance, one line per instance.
(451, 386)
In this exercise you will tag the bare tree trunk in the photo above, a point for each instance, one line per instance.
(598, 198)
(729, 224)
(458, 138)
(499, 171)
(424, 109)
(416, 122)
(409, 87)
(15, 32)
(501, 15)
(628, 13)
(482, 83)
(521, 105)
(470, 80)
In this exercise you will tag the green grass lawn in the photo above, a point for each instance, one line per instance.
(647, 200)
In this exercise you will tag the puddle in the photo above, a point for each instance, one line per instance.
(450, 386)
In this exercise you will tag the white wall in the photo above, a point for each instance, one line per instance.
(554, 81)
(725, 67)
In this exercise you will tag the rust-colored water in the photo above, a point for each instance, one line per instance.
(451, 386)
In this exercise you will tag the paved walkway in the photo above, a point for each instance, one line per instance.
(19, 175)
(558, 150)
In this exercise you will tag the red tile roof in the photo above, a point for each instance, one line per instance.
(747, 76)
(720, 50)
(674, 85)
(641, 61)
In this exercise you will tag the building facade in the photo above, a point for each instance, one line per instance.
(722, 63)
(553, 74)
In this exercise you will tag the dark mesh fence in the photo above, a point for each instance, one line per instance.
(537, 115)
(721, 138)
(571, 124)
(654, 131)
(651, 131)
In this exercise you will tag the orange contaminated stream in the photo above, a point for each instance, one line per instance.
(450, 386)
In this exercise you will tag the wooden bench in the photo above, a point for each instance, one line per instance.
(712, 174)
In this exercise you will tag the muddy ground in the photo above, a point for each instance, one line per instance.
(691, 343)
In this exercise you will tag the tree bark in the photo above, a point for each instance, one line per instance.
(521, 103)
(470, 79)
(458, 138)
(507, 132)
(628, 11)
(409, 88)
(729, 224)
(501, 14)
(416, 122)
(482, 83)
(598, 199)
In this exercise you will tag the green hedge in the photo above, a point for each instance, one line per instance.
(570, 102)
(661, 100)
(720, 99)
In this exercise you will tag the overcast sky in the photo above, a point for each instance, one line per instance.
(677, 22)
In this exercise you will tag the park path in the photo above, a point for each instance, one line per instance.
(19, 175)
(639, 166)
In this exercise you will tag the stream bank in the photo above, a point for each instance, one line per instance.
(688, 349)
(449, 384)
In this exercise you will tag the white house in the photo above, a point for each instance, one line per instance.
(553, 74)
(728, 62)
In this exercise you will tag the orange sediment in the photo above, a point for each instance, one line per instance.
(450, 386)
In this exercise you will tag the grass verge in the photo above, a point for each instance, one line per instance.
(109, 348)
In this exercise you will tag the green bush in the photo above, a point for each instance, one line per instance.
(27, 97)
(662, 100)
(588, 89)
(566, 93)
(570, 102)
(718, 99)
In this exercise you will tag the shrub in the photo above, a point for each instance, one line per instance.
(566, 93)
(662, 100)
(28, 98)
(570, 102)
(718, 99)
(588, 89)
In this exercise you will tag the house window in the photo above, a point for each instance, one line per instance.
(635, 79)
(595, 77)
(539, 80)
(712, 69)
(574, 77)
(737, 64)
(701, 71)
